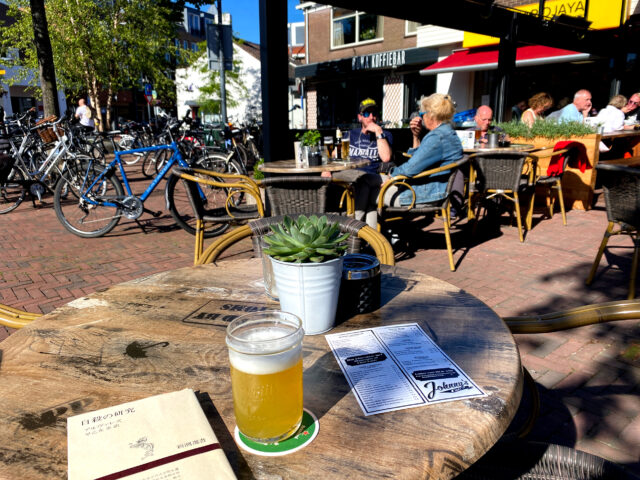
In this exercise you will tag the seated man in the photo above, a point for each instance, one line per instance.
(579, 109)
(374, 144)
(631, 108)
(483, 119)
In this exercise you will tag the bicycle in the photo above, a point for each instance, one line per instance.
(91, 201)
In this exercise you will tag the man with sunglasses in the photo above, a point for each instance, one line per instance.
(373, 143)
(631, 108)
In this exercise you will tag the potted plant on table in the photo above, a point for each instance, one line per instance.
(306, 255)
(310, 144)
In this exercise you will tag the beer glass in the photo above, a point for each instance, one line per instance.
(345, 148)
(265, 353)
(328, 142)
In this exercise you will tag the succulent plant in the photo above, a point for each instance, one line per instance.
(307, 240)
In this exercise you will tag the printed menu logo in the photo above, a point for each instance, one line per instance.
(220, 313)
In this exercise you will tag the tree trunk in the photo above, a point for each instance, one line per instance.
(45, 58)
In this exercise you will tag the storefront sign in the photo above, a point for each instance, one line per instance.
(392, 59)
(602, 14)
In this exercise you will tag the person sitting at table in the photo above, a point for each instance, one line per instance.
(483, 119)
(631, 108)
(373, 143)
(612, 117)
(579, 109)
(439, 147)
(538, 104)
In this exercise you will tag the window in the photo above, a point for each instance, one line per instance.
(194, 47)
(185, 44)
(350, 27)
(411, 28)
(194, 24)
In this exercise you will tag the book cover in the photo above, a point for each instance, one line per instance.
(164, 437)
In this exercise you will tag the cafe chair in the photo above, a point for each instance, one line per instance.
(442, 207)
(621, 186)
(14, 318)
(256, 229)
(501, 175)
(526, 460)
(233, 208)
(299, 194)
(551, 181)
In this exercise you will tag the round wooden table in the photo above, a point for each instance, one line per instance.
(166, 332)
(289, 166)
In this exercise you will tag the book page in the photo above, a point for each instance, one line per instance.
(164, 437)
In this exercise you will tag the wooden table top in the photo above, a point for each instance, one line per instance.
(621, 134)
(166, 332)
(289, 166)
(514, 147)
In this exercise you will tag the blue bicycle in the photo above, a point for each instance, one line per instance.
(91, 200)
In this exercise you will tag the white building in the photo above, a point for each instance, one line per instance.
(189, 80)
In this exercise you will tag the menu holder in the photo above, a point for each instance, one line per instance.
(397, 367)
(164, 436)
(467, 138)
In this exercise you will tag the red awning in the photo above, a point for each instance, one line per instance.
(481, 59)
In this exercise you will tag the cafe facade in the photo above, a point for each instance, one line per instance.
(353, 55)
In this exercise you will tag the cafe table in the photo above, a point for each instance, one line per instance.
(290, 167)
(166, 332)
(514, 147)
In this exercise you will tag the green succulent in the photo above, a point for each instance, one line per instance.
(307, 240)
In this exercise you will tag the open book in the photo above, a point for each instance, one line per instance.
(165, 436)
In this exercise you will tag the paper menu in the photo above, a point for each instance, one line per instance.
(467, 138)
(164, 437)
(399, 366)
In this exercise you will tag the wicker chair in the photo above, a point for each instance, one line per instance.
(552, 182)
(500, 174)
(621, 187)
(14, 318)
(300, 194)
(443, 207)
(258, 228)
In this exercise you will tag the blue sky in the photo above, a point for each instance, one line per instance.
(244, 16)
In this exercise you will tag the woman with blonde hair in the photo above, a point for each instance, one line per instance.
(439, 147)
(612, 117)
(538, 104)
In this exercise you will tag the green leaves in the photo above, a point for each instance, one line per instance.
(546, 129)
(309, 239)
(310, 138)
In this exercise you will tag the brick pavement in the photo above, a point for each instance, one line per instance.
(588, 377)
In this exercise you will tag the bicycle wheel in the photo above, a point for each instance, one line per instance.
(162, 158)
(149, 164)
(219, 163)
(12, 192)
(78, 215)
(181, 211)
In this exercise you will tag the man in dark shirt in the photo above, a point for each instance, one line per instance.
(373, 143)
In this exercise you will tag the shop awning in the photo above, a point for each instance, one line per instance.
(483, 59)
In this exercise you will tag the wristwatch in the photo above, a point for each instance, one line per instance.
(381, 136)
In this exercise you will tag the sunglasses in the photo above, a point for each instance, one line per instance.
(367, 114)
(423, 113)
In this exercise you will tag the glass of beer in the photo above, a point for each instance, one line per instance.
(328, 142)
(265, 352)
(345, 148)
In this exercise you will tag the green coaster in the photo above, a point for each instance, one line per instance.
(304, 436)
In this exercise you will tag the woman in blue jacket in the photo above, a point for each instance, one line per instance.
(439, 147)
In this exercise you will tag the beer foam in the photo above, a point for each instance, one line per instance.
(265, 364)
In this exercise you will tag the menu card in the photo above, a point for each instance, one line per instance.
(399, 366)
(164, 437)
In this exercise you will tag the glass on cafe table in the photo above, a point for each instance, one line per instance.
(345, 147)
(265, 353)
(328, 143)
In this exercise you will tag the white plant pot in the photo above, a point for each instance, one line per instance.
(310, 291)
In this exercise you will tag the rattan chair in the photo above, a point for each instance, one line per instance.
(14, 318)
(621, 187)
(232, 186)
(442, 207)
(552, 182)
(258, 228)
(300, 194)
(501, 175)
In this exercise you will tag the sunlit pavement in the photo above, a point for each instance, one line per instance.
(588, 377)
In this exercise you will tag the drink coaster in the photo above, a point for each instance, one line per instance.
(304, 436)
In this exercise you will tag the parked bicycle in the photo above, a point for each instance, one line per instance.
(91, 200)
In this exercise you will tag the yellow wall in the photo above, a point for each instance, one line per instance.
(602, 14)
